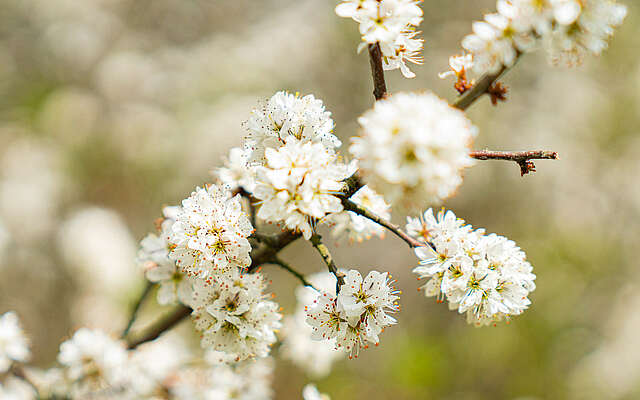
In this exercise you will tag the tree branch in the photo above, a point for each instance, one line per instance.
(316, 241)
(279, 262)
(353, 207)
(522, 158)
(377, 72)
(136, 308)
(161, 326)
(481, 87)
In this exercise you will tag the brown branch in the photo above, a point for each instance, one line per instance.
(136, 308)
(316, 241)
(283, 264)
(522, 158)
(481, 87)
(353, 207)
(161, 326)
(377, 72)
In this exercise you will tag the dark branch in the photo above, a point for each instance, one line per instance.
(136, 308)
(316, 241)
(481, 87)
(377, 72)
(353, 207)
(161, 326)
(522, 158)
(279, 262)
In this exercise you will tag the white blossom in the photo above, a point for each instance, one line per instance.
(356, 227)
(357, 315)
(315, 357)
(492, 44)
(209, 236)
(584, 27)
(12, 388)
(413, 148)
(233, 316)
(14, 345)
(391, 23)
(310, 392)
(153, 257)
(570, 29)
(249, 380)
(288, 118)
(94, 362)
(237, 172)
(458, 65)
(485, 276)
(298, 184)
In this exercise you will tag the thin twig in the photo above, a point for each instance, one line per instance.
(353, 207)
(377, 72)
(283, 264)
(481, 87)
(316, 241)
(136, 308)
(522, 158)
(161, 326)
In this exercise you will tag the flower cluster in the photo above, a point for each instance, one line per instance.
(153, 258)
(413, 148)
(569, 29)
(315, 357)
(356, 227)
(93, 362)
(222, 381)
(233, 316)
(209, 236)
(297, 185)
(357, 315)
(391, 23)
(287, 118)
(13, 343)
(483, 275)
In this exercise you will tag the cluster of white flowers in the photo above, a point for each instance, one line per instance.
(298, 184)
(153, 258)
(222, 381)
(94, 362)
(391, 23)
(209, 236)
(315, 357)
(233, 316)
(413, 147)
(569, 29)
(485, 276)
(14, 346)
(288, 118)
(356, 227)
(237, 172)
(357, 315)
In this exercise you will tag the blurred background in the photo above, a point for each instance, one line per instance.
(110, 109)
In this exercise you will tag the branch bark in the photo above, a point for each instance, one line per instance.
(481, 87)
(283, 264)
(353, 207)
(377, 72)
(522, 158)
(161, 326)
(136, 308)
(316, 241)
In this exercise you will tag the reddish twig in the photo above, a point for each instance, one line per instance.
(522, 158)
(377, 72)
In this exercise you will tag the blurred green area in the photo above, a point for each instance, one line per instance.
(126, 105)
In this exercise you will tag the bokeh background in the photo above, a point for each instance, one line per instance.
(110, 109)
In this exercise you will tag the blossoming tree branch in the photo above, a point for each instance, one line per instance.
(411, 151)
